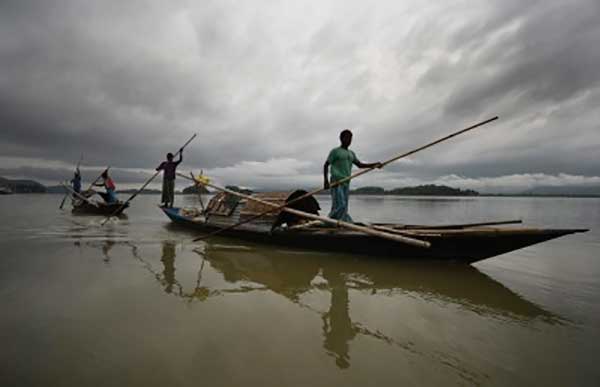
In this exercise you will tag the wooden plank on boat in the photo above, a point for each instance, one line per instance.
(454, 226)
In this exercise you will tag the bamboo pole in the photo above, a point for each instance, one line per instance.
(400, 232)
(143, 186)
(63, 201)
(351, 226)
(464, 225)
(359, 173)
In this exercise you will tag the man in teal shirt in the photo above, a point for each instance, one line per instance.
(340, 162)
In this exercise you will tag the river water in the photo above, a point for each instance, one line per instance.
(137, 303)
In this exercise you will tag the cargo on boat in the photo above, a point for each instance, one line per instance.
(466, 243)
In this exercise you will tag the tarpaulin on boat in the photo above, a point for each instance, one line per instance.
(227, 205)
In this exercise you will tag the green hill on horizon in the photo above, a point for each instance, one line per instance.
(426, 190)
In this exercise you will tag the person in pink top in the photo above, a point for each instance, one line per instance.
(109, 196)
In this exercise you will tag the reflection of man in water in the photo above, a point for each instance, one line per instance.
(337, 326)
(168, 260)
(106, 248)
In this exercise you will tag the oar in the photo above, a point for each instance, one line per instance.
(351, 226)
(143, 186)
(361, 172)
(67, 194)
(63, 201)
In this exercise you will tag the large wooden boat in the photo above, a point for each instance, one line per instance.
(459, 243)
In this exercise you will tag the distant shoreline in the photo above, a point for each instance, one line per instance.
(391, 195)
(31, 186)
(516, 195)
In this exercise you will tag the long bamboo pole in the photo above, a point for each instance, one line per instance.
(62, 204)
(464, 225)
(143, 186)
(339, 223)
(359, 173)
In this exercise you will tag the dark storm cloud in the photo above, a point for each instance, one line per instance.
(270, 86)
(546, 54)
(53, 176)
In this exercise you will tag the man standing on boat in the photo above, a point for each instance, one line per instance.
(340, 161)
(169, 168)
(76, 181)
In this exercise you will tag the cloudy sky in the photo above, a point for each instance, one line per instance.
(268, 85)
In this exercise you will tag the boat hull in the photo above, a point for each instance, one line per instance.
(102, 209)
(455, 245)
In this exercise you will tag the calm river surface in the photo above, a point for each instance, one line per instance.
(136, 303)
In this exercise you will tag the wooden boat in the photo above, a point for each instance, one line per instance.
(459, 243)
(81, 207)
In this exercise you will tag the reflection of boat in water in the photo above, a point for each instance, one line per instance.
(461, 243)
(298, 275)
(292, 273)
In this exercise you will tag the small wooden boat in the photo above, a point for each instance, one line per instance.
(5, 191)
(459, 243)
(81, 207)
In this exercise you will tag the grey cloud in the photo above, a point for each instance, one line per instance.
(126, 82)
(549, 57)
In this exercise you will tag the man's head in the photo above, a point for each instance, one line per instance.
(105, 175)
(170, 156)
(346, 138)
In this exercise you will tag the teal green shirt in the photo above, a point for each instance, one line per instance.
(340, 161)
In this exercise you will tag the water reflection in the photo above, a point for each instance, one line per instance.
(167, 277)
(293, 274)
(106, 247)
(168, 260)
(337, 325)
(298, 275)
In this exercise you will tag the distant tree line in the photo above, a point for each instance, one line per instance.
(22, 186)
(428, 189)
